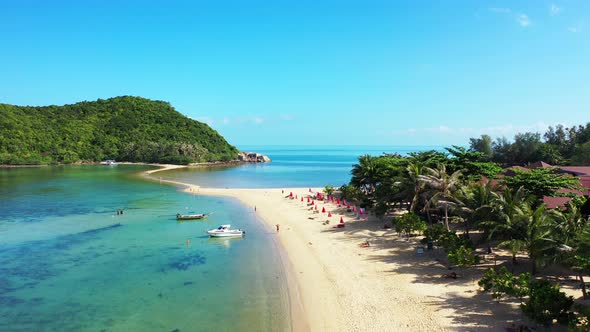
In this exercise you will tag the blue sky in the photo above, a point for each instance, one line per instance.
(311, 72)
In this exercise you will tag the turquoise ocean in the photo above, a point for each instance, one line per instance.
(68, 262)
(291, 166)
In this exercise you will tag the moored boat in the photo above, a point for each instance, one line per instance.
(225, 231)
(192, 216)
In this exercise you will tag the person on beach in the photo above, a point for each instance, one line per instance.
(277, 228)
(188, 243)
(254, 208)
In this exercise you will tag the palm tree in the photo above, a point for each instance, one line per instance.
(570, 223)
(520, 227)
(365, 174)
(505, 223)
(442, 187)
(474, 202)
(415, 186)
(540, 237)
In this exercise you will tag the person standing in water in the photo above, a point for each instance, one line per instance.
(277, 228)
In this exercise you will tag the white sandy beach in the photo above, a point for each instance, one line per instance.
(336, 285)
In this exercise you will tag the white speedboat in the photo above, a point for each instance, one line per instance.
(225, 231)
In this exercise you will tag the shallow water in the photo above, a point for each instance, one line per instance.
(291, 166)
(69, 263)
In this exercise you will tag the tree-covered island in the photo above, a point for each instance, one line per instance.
(122, 128)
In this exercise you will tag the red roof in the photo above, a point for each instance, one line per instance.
(581, 172)
(577, 170)
(553, 202)
(539, 164)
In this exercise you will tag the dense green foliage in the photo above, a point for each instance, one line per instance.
(121, 128)
(467, 190)
(463, 256)
(408, 223)
(540, 181)
(547, 303)
(557, 146)
(501, 282)
(544, 301)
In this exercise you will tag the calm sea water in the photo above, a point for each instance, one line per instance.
(69, 263)
(291, 166)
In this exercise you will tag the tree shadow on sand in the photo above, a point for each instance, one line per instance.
(467, 308)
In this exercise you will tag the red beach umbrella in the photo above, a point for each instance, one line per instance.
(329, 214)
(348, 205)
(354, 208)
(323, 210)
(312, 202)
(302, 198)
(291, 194)
(341, 220)
(295, 196)
(309, 189)
(307, 199)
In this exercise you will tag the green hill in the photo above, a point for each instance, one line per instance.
(122, 128)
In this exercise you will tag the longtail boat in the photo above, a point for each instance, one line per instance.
(192, 216)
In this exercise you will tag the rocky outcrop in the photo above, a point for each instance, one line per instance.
(252, 157)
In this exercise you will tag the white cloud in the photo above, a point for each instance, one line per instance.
(241, 120)
(205, 119)
(502, 130)
(575, 28)
(500, 10)
(523, 20)
(554, 9)
(443, 129)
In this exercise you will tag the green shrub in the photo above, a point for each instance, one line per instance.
(408, 223)
(433, 232)
(502, 282)
(547, 303)
(329, 190)
(463, 256)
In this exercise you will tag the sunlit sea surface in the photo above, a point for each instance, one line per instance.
(291, 166)
(68, 262)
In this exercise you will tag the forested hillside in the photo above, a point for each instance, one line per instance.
(122, 128)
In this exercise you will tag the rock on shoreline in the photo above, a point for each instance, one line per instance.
(253, 157)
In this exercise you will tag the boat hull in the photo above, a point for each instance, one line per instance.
(226, 234)
(190, 218)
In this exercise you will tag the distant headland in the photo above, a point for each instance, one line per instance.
(128, 129)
